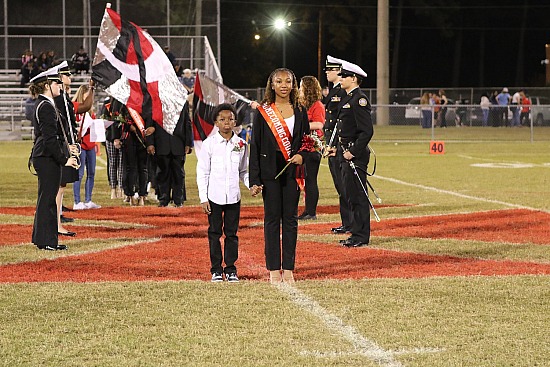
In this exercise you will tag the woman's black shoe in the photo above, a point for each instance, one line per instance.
(65, 219)
(62, 247)
(68, 233)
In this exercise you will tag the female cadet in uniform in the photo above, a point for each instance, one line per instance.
(49, 154)
(279, 127)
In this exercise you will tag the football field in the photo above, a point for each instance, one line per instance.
(457, 272)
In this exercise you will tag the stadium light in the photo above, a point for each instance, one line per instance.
(281, 24)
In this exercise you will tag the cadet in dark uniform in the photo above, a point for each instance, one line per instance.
(66, 109)
(331, 102)
(169, 152)
(49, 154)
(355, 132)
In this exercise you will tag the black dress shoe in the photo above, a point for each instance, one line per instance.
(65, 219)
(68, 233)
(62, 247)
(47, 247)
(346, 240)
(340, 230)
(65, 209)
(301, 216)
(354, 243)
(307, 217)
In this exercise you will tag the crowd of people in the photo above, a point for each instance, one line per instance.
(278, 157)
(497, 109)
(32, 65)
(498, 105)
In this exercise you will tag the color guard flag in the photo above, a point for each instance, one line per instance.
(134, 69)
(207, 94)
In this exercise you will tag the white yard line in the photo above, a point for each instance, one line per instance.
(470, 197)
(361, 345)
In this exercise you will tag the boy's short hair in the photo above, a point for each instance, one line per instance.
(223, 107)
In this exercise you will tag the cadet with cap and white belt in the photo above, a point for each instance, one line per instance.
(50, 152)
(355, 131)
(331, 102)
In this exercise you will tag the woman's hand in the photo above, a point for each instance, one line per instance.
(74, 149)
(149, 131)
(117, 143)
(296, 159)
(255, 189)
(72, 162)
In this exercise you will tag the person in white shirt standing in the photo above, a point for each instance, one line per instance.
(222, 163)
(515, 108)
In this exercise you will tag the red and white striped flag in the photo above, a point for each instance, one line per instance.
(134, 69)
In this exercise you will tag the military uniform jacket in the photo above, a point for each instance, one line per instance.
(67, 119)
(331, 102)
(354, 123)
(175, 144)
(49, 141)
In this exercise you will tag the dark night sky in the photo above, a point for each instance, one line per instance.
(442, 43)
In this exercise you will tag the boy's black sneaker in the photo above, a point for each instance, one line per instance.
(217, 277)
(232, 277)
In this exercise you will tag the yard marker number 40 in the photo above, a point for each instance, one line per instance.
(437, 147)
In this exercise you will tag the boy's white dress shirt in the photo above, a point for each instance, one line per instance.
(221, 164)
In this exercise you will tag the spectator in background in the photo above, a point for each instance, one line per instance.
(85, 96)
(113, 147)
(525, 109)
(310, 98)
(179, 71)
(494, 110)
(442, 116)
(170, 55)
(28, 71)
(51, 57)
(81, 61)
(188, 80)
(325, 91)
(27, 55)
(514, 107)
(503, 98)
(426, 109)
(484, 104)
(42, 62)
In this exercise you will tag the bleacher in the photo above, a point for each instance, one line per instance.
(13, 124)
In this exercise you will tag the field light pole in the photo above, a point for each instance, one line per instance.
(281, 24)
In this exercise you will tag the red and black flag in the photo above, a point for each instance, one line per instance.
(208, 93)
(134, 69)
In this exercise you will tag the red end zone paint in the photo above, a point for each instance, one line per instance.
(182, 251)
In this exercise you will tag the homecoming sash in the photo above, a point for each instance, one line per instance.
(278, 127)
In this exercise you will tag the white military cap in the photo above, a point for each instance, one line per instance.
(350, 69)
(63, 68)
(332, 62)
(50, 74)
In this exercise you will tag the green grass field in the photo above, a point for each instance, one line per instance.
(409, 321)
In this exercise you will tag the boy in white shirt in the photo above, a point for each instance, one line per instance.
(222, 162)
